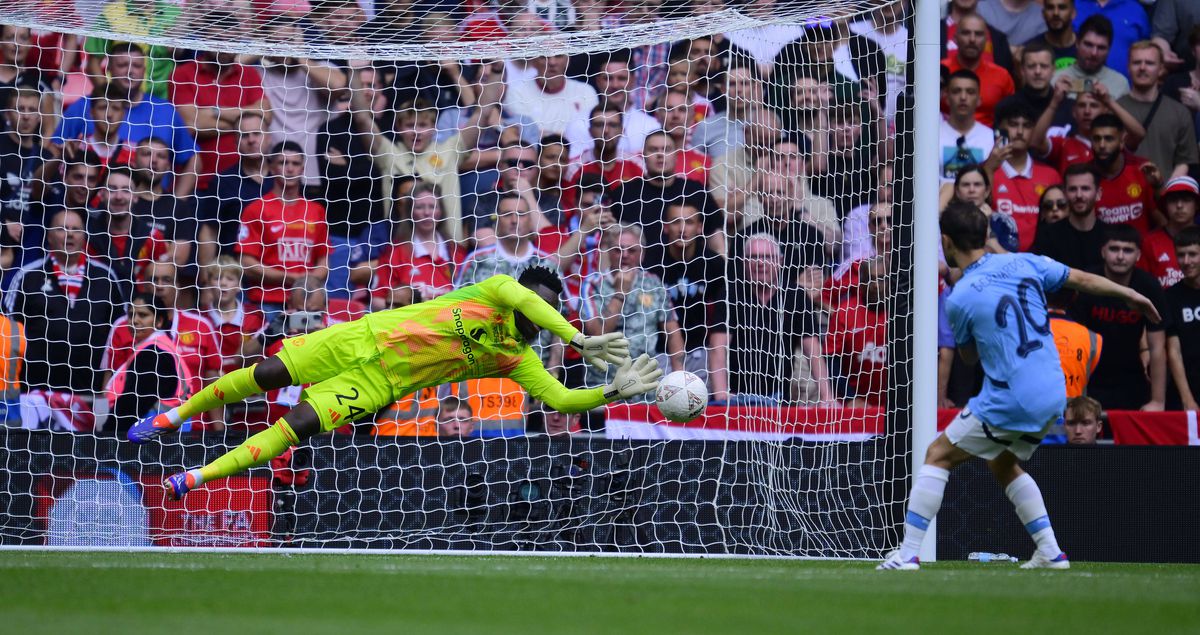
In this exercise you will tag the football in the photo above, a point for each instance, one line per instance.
(681, 396)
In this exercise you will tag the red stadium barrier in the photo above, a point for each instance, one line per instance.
(643, 421)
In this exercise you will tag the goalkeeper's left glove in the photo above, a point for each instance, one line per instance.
(634, 378)
(602, 350)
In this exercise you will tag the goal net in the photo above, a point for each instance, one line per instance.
(186, 185)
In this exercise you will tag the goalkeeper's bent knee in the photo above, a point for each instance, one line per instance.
(230, 388)
(255, 451)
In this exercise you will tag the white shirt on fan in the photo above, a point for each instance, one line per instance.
(552, 112)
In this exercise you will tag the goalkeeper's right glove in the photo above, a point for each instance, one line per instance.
(602, 350)
(634, 378)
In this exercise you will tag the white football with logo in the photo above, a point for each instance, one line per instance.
(681, 396)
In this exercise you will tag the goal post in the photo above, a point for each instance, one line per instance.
(746, 190)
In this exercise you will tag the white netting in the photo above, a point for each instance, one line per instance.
(714, 182)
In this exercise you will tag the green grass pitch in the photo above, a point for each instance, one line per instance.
(45, 592)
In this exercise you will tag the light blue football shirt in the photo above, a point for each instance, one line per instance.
(1000, 306)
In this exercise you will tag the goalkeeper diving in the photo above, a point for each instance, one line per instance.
(356, 368)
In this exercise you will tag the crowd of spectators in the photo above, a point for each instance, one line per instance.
(726, 201)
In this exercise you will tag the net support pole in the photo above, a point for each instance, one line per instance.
(926, 237)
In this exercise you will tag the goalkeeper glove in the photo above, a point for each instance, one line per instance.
(634, 378)
(601, 350)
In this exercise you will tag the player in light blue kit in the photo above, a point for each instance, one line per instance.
(998, 313)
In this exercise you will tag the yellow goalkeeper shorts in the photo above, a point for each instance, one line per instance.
(342, 365)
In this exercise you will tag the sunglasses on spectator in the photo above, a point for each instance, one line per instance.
(1060, 203)
(521, 163)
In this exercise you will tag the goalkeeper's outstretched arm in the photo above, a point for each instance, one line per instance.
(633, 378)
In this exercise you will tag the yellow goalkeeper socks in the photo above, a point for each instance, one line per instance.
(255, 451)
(230, 388)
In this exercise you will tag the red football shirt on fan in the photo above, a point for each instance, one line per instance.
(1019, 194)
(411, 265)
(1067, 151)
(192, 333)
(952, 27)
(198, 84)
(617, 172)
(1127, 198)
(994, 84)
(289, 236)
(693, 165)
(1158, 258)
(231, 334)
(858, 336)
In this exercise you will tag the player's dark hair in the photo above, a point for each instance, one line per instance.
(1098, 24)
(963, 73)
(965, 224)
(534, 275)
(1122, 234)
(1108, 120)
(1188, 237)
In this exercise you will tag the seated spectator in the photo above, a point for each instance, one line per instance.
(604, 157)
(211, 94)
(673, 112)
(421, 260)
(137, 20)
(694, 277)
(174, 218)
(1171, 23)
(553, 101)
(1018, 178)
(1127, 181)
(964, 141)
(684, 77)
(1019, 20)
(1059, 16)
(1095, 44)
(643, 200)
(147, 115)
(1183, 336)
(14, 51)
(1083, 421)
(845, 280)
(126, 243)
(22, 164)
(768, 322)
(66, 301)
(801, 243)
(625, 297)
(616, 91)
(1129, 23)
(1076, 147)
(301, 92)
(455, 419)
(848, 174)
(995, 83)
(996, 48)
(219, 207)
(283, 236)
(857, 338)
(1077, 240)
(1053, 206)
(1179, 201)
(551, 184)
(1036, 91)
(1120, 380)
(555, 423)
(74, 189)
(519, 172)
(513, 249)
(886, 26)
(857, 237)
(1170, 141)
(154, 377)
(237, 325)
(715, 135)
(416, 150)
(106, 111)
